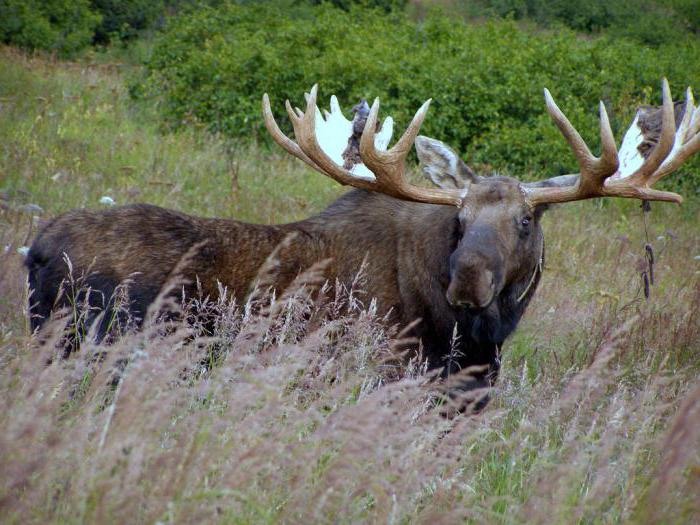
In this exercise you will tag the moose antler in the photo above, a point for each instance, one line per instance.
(385, 169)
(602, 176)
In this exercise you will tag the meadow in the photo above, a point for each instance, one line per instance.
(595, 419)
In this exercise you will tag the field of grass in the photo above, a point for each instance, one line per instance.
(595, 419)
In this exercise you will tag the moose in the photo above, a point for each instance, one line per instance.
(464, 257)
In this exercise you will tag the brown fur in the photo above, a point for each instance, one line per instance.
(414, 253)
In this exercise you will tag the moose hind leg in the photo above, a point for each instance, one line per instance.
(115, 306)
(92, 302)
(45, 279)
(96, 298)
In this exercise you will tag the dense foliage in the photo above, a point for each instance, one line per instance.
(68, 26)
(387, 5)
(63, 26)
(486, 80)
(122, 20)
(648, 21)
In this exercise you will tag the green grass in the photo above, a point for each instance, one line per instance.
(595, 419)
(70, 136)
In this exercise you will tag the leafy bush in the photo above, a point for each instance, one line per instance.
(63, 26)
(688, 12)
(386, 5)
(651, 22)
(123, 19)
(486, 81)
(67, 26)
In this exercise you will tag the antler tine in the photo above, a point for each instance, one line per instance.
(688, 149)
(295, 114)
(583, 155)
(382, 164)
(688, 113)
(389, 166)
(694, 126)
(405, 143)
(283, 140)
(609, 160)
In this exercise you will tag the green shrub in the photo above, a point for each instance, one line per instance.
(486, 81)
(386, 5)
(651, 22)
(123, 19)
(688, 11)
(62, 26)
(67, 26)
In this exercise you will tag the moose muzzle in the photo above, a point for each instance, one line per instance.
(472, 284)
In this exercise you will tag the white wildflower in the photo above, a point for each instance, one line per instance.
(32, 208)
(107, 201)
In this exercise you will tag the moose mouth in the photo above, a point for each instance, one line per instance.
(468, 305)
(478, 299)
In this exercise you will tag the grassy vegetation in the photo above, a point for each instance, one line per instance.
(596, 418)
(70, 136)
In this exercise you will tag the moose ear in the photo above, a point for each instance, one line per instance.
(442, 165)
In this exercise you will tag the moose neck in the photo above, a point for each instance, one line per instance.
(404, 245)
(405, 248)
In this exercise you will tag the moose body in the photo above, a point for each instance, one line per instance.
(406, 246)
(463, 259)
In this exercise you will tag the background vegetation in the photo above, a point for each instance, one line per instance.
(65, 26)
(595, 419)
(646, 21)
(486, 80)
(211, 61)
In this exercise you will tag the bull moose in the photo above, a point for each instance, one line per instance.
(465, 255)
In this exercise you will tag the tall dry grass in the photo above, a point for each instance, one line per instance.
(298, 409)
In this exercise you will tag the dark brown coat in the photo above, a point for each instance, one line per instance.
(408, 248)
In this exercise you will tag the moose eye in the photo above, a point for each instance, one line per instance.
(526, 221)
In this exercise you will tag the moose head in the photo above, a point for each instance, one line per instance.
(498, 242)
